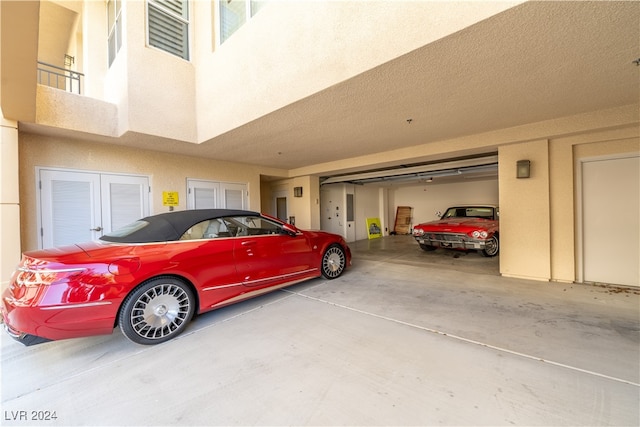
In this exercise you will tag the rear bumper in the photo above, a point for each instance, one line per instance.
(32, 325)
(21, 337)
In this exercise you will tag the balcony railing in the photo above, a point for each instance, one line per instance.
(60, 78)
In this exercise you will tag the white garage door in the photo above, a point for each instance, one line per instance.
(611, 221)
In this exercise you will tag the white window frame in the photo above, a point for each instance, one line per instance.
(187, 21)
(115, 29)
(249, 13)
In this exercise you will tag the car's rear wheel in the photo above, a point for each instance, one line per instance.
(492, 247)
(157, 311)
(334, 261)
(427, 248)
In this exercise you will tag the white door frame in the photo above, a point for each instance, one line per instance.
(220, 188)
(101, 205)
(579, 227)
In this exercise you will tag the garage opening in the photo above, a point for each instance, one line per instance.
(429, 189)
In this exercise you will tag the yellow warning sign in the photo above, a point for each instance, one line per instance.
(170, 198)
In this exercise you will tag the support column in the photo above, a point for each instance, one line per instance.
(525, 227)
(306, 207)
(9, 200)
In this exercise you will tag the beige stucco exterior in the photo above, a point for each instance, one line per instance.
(153, 114)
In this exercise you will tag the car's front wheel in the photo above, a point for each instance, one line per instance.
(157, 311)
(492, 246)
(334, 262)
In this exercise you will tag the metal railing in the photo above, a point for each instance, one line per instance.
(59, 78)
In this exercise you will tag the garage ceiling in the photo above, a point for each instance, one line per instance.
(534, 62)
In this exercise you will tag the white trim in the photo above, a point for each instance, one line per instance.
(40, 169)
(219, 187)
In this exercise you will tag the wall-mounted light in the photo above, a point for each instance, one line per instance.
(523, 168)
(297, 191)
(69, 60)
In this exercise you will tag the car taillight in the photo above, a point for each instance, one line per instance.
(27, 285)
(31, 277)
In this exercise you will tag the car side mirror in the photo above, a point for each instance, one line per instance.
(290, 229)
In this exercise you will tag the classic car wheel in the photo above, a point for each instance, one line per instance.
(334, 261)
(492, 247)
(157, 311)
(427, 248)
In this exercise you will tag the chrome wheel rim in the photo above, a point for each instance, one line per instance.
(160, 311)
(491, 247)
(333, 262)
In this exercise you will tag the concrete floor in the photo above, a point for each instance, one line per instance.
(405, 337)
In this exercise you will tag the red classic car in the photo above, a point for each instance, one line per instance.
(462, 227)
(153, 276)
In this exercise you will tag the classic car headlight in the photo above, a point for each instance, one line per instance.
(418, 232)
(479, 234)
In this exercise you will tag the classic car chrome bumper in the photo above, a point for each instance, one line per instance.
(450, 240)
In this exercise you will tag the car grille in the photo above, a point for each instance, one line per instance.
(445, 237)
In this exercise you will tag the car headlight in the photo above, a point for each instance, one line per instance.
(479, 234)
(418, 232)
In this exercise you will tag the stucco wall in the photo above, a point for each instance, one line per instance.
(161, 86)
(168, 172)
(318, 44)
(524, 212)
(9, 200)
(429, 198)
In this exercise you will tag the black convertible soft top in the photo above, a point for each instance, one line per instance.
(168, 226)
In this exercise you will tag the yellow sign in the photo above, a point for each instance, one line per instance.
(170, 198)
(373, 228)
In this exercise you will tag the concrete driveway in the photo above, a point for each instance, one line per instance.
(405, 337)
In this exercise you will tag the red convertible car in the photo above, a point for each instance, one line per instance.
(462, 227)
(151, 277)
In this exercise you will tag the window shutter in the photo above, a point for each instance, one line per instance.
(126, 204)
(70, 211)
(169, 26)
(205, 198)
(233, 199)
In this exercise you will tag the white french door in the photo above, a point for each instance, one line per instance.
(211, 195)
(81, 206)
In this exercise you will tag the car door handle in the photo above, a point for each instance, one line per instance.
(248, 243)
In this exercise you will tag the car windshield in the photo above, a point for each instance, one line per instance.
(471, 211)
